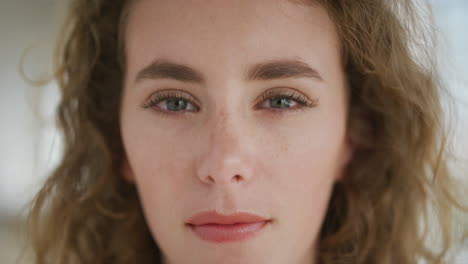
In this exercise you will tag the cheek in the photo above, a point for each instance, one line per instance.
(313, 152)
(310, 166)
(158, 164)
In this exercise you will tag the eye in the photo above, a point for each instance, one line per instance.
(287, 99)
(167, 102)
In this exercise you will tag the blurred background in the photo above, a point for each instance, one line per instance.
(30, 146)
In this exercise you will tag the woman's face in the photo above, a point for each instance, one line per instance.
(232, 107)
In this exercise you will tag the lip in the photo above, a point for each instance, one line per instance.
(212, 217)
(218, 228)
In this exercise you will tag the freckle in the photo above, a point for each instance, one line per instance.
(284, 147)
(283, 144)
(224, 116)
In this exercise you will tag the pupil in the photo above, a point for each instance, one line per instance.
(280, 102)
(176, 105)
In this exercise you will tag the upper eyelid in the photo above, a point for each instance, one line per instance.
(282, 91)
(177, 93)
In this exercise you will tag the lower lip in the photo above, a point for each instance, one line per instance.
(227, 233)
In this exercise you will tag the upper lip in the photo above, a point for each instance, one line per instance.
(212, 217)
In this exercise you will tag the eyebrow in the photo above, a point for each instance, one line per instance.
(281, 69)
(269, 70)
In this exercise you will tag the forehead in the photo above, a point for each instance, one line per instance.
(224, 31)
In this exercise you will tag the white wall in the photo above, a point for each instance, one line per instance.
(24, 141)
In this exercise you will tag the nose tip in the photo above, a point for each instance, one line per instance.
(214, 169)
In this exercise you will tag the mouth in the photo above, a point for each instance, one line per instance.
(213, 227)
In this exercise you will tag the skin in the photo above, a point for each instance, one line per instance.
(227, 149)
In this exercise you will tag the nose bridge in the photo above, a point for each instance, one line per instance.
(225, 128)
(226, 158)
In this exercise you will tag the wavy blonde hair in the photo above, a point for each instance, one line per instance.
(380, 213)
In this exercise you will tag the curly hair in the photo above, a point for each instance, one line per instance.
(398, 183)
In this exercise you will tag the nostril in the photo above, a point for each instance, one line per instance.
(210, 179)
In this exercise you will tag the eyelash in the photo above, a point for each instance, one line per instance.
(302, 101)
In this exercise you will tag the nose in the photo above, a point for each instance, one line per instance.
(227, 158)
